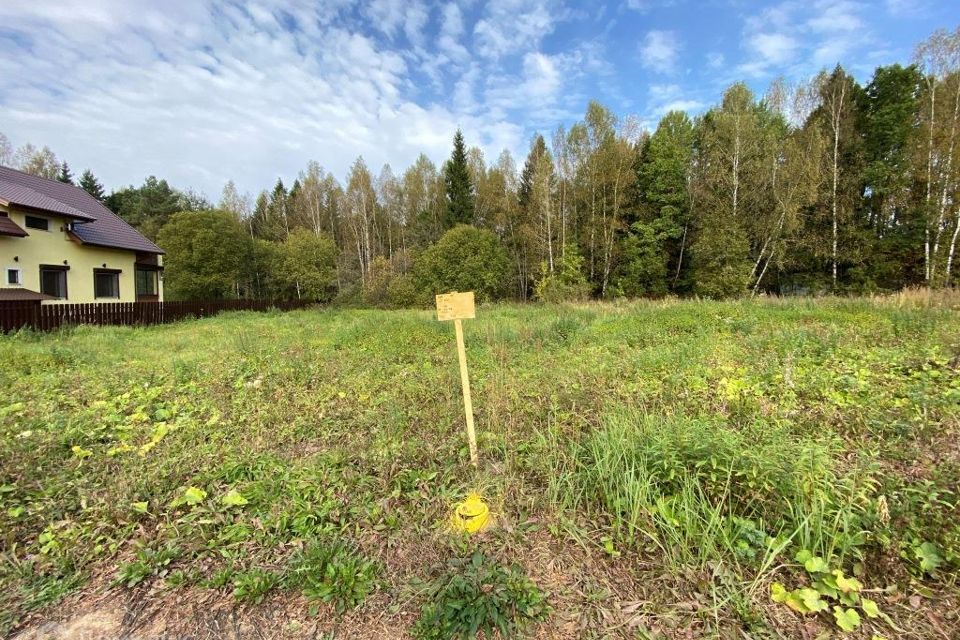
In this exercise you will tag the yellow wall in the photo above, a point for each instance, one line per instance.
(55, 246)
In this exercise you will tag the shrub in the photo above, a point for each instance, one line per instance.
(389, 283)
(566, 283)
(464, 259)
(476, 594)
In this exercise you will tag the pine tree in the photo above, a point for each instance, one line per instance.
(90, 184)
(65, 174)
(663, 194)
(460, 194)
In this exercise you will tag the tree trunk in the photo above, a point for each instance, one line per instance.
(835, 117)
(947, 182)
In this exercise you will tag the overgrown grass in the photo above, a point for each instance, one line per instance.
(316, 454)
(698, 490)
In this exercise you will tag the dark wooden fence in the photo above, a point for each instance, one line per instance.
(17, 315)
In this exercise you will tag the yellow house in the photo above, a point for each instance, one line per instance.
(60, 245)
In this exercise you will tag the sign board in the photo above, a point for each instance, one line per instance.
(455, 306)
(459, 306)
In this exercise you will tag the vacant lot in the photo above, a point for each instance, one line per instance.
(656, 469)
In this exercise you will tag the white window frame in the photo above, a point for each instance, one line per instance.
(6, 277)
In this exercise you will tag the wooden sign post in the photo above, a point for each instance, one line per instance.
(460, 306)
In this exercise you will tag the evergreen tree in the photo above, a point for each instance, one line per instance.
(90, 184)
(538, 149)
(892, 212)
(460, 194)
(65, 174)
(149, 206)
(661, 206)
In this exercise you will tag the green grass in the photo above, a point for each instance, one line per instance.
(316, 455)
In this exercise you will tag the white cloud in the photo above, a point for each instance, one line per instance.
(659, 50)
(508, 26)
(831, 17)
(715, 60)
(200, 93)
(644, 6)
(797, 38)
(773, 48)
(669, 97)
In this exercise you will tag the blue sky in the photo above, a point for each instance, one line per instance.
(201, 92)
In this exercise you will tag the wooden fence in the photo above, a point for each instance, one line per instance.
(16, 315)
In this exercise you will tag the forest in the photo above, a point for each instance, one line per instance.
(823, 186)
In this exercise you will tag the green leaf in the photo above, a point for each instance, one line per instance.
(825, 588)
(80, 452)
(795, 602)
(811, 600)
(233, 499)
(870, 608)
(778, 593)
(802, 556)
(191, 496)
(139, 507)
(816, 564)
(847, 619)
(929, 556)
(847, 585)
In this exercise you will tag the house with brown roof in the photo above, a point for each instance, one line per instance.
(59, 244)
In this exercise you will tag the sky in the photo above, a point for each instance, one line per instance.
(200, 92)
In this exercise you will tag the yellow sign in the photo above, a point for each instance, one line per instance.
(455, 306)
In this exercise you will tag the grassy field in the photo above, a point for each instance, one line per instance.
(679, 469)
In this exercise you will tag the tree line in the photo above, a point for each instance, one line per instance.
(817, 187)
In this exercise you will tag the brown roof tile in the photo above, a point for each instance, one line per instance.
(22, 295)
(102, 227)
(10, 228)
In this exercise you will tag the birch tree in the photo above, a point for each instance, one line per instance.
(939, 59)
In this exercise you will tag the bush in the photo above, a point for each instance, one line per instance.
(475, 594)
(567, 283)
(389, 283)
(464, 259)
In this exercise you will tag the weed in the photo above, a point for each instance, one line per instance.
(331, 572)
(476, 594)
(149, 562)
(253, 585)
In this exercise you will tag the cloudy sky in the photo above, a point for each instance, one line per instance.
(200, 92)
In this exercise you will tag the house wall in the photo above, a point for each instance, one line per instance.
(55, 246)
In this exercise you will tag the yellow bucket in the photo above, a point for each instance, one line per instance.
(471, 515)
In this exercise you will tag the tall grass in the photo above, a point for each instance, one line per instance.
(696, 490)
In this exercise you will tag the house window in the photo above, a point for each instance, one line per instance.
(33, 222)
(106, 283)
(146, 282)
(14, 276)
(53, 281)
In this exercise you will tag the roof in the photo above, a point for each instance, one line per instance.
(10, 228)
(19, 295)
(94, 223)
